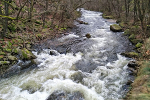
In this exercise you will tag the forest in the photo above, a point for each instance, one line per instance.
(24, 23)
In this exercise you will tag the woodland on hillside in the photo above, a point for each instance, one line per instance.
(51, 13)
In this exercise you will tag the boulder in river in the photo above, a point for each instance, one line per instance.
(115, 28)
(88, 35)
(61, 95)
(53, 53)
(82, 22)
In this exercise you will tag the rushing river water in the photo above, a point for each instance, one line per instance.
(92, 68)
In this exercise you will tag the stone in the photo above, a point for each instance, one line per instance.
(132, 36)
(130, 54)
(107, 16)
(138, 45)
(133, 64)
(115, 28)
(82, 22)
(88, 35)
(53, 53)
(129, 82)
(12, 58)
(27, 55)
(62, 95)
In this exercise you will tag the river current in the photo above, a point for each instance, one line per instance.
(93, 67)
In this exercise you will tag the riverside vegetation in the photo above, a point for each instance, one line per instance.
(24, 23)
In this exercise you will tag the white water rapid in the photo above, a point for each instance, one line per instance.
(95, 69)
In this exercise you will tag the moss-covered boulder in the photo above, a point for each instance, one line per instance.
(130, 54)
(12, 58)
(126, 32)
(115, 28)
(107, 16)
(27, 55)
(4, 62)
(132, 36)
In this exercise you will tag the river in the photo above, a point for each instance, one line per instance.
(91, 68)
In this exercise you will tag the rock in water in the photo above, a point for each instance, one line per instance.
(61, 95)
(53, 53)
(115, 28)
(88, 35)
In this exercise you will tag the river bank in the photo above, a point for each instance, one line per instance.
(139, 89)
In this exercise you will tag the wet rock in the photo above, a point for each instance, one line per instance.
(26, 64)
(61, 95)
(82, 22)
(88, 35)
(53, 53)
(130, 54)
(27, 55)
(78, 76)
(115, 28)
(129, 82)
(133, 64)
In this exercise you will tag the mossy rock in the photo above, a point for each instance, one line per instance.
(138, 45)
(126, 32)
(130, 54)
(12, 58)
(4, 62)
(135, 41)
(2, 53)
(1, 57)
(27, 55)
(8, 50)
(115, 28)
(16, 51)
(132, 36)
(107, 17)
(45, 30)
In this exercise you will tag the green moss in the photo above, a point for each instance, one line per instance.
(1, 57)
(2, 53)
(44, 30)
(132, 36)
(138, 45)
(115, 28)
(122, 24)
(126, 32)
(8, 50)
(107, 17)
(145, 68)
(4, 62)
